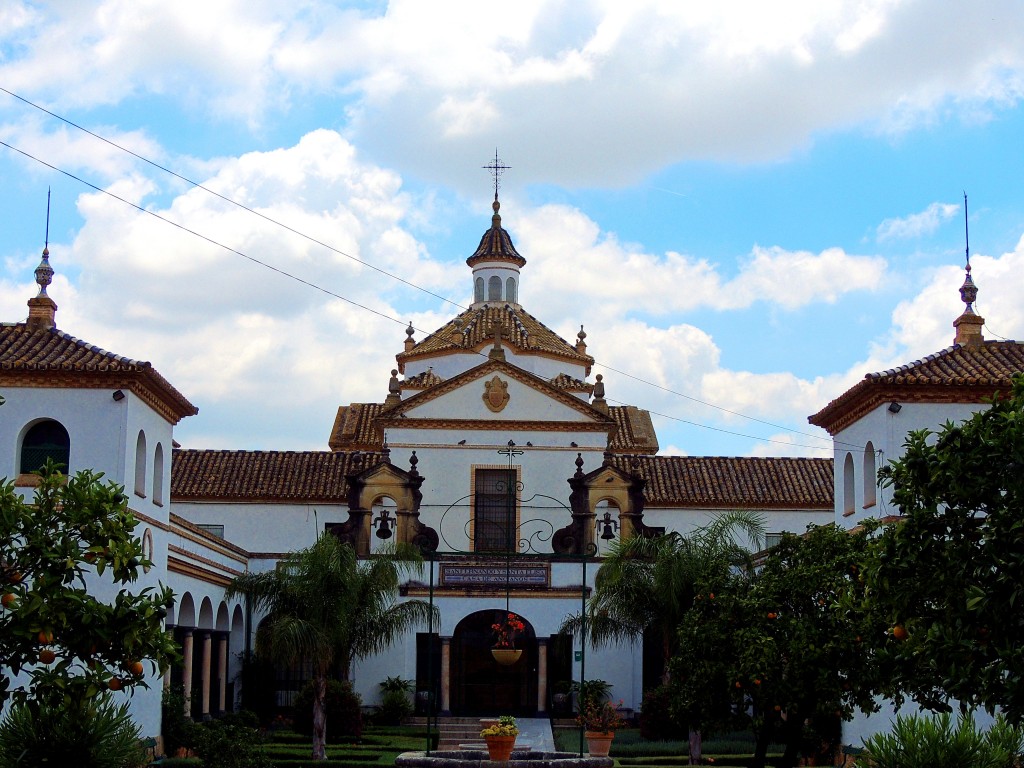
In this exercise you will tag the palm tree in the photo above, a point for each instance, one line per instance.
(646, 585)
(326, 607)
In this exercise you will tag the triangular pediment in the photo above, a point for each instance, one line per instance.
(496, 391)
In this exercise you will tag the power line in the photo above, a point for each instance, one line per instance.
(210, 240)
(226, 199)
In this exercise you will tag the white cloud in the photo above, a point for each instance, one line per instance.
(424, 84)
(568, 248)
(917, 224)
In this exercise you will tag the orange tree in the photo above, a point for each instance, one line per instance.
(949, 577)
(783, 646)
(70, 629)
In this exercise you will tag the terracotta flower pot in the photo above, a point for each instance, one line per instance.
(499, 748)
(598, 743)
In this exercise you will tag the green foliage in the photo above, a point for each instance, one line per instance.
(93, 734)
(394, 707)
(657, 720)
(344, 711)
(591, 692)
(70, 644)
(785, 639)
(228, 743)
(175, 727)
(326, 606)
(951, 572)
(397, 684)
(933, 742)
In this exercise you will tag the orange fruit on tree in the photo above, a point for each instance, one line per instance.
(46, 656)
(115, 684)
(772, 614)
(45, 636)
(900, 632)
(136, 668)
(8, 599)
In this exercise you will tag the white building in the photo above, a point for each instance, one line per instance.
(491, 401)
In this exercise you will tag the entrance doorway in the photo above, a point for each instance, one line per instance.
(482, 686)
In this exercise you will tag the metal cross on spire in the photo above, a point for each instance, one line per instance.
(497, 167)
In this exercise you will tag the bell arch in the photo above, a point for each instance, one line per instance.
(367, 488)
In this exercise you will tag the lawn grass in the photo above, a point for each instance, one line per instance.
(378, 748)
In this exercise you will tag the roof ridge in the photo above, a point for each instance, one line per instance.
(99, 350)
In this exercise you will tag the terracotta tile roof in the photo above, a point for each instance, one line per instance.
(966, 374)
(421, 381)
(474, 329)
(306, 477)
(734, 483)
(35, 357)
(571, 383)
(636, 430)
(355, 428)
(496, 244)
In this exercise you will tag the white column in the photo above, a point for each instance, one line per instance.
(186, 662)
(205, 675)
(222, 674)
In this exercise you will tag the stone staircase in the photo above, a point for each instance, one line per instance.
(453, 731)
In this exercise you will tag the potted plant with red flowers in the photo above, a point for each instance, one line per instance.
(599, 719)
(505, 631)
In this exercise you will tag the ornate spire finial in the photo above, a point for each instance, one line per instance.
(968, 291)
(968, 326)
(44, 272)
(497, 167)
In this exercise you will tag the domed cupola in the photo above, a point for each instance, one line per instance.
(495, 264)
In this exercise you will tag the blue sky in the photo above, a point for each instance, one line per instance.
(747, 205)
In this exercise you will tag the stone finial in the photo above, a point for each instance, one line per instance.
(457, 336)
(599, 402)
(409, 341)
(969, 325)
(581, 341)
(42, 309)
(579, 465)
(413, 461)
(394, 390)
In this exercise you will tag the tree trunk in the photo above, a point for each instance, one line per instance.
(320, 716)
(695, 747)
(794, 730)
(761, 740)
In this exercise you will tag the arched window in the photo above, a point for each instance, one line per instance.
(848, 487)
(510, 291)
(158, 475)
(494, 289)
(870, 480)
(46, 440)
(478, 290)
(140, 465)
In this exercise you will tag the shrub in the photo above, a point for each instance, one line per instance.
(657, 722)
(344, 711)
(932, 742)
(394, 707)
(93, 734)
(176, 728)
(226, 743)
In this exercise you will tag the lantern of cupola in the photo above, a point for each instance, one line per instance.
(496, 264)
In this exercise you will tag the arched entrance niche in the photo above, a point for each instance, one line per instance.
(481, 686)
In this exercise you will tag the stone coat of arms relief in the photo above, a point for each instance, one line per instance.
(496, 395)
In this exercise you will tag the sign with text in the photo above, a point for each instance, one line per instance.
(494, 575)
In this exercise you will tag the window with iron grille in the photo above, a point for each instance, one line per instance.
(494, 510)
(45, 440)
